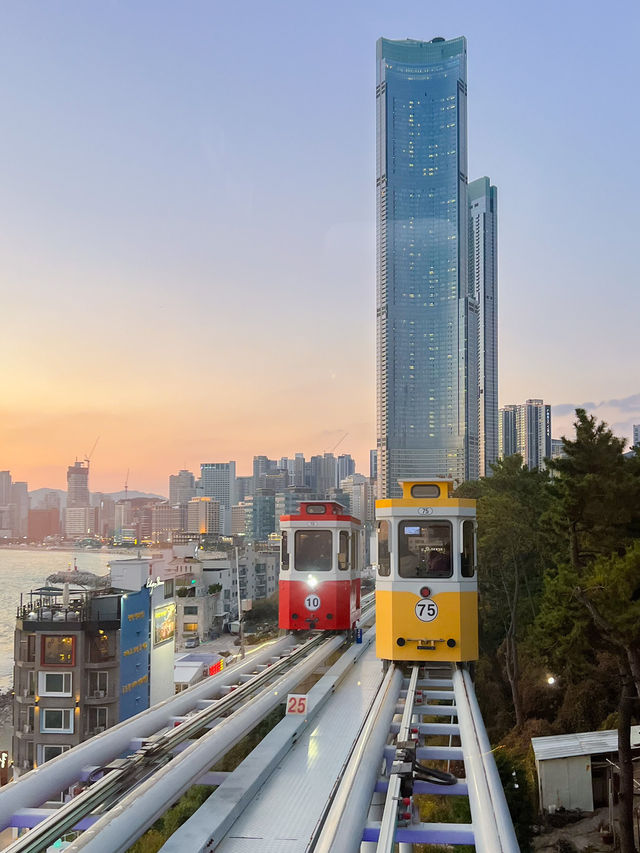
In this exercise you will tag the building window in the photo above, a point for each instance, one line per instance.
(190, 610)
(168, 589)
(58, 650)
(98, 684)
(54, 683)
(102, 647)
(97, 720)
(190, 626)
(48, 751)
(56, 720)
(31, 648)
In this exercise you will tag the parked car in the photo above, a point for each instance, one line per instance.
(192, 642)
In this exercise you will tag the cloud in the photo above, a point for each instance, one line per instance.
(619, 413)
(624, 404)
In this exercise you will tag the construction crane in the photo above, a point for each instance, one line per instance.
(87, 456)
(126, 485)
(339, 442)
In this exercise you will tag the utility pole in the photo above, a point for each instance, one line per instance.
(240, 612)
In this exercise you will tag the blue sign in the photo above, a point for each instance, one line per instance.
(134, 653)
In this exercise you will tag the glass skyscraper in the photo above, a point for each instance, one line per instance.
(427, 314)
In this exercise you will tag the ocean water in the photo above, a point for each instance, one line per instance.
(22, 570)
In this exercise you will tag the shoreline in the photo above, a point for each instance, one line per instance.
(70, 549)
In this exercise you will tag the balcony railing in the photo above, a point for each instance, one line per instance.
(52, 612)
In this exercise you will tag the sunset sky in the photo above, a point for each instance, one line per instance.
(187, 229)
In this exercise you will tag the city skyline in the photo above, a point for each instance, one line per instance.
(162, 267)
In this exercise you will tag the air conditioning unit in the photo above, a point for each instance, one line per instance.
(99, 694)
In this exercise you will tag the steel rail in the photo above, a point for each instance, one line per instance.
(150, 757)
(116, 830)
(347, 813)
(492, 822)
(386, 839)
(47, 780)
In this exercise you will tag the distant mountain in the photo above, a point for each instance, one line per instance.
(38, 495)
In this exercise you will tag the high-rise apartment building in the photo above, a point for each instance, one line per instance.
(507, 439)
(346, 466)
(20, 501)
(5, 488)
(636, 434)
(427, 314)
(526, 429)
(218, 480)
(260, 519)
(373, 464)
(483, 275)
(182, 487)
(203, 516)
(78, 485)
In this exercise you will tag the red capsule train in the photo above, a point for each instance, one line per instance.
(320, 568)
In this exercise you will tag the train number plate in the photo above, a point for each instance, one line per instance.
(426, 610)
(312, 601)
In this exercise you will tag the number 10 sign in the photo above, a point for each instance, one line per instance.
(297, 703)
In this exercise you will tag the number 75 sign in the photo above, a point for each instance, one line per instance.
(296, 703)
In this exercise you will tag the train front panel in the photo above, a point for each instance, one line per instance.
(319, 586)
(426, 583)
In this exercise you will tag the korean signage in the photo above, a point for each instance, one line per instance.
(134, 653)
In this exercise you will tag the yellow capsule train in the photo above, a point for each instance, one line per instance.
(426, 581)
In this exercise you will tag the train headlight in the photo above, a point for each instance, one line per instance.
(312, 582)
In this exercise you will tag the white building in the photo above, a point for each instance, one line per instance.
(80, 521)
(526, 429)
(204, 516)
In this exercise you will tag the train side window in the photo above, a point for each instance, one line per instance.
(313, 551)
(424, 549)
(284, 553)
(467, 559)
(384, 556)
(343, 553)
(355, 550)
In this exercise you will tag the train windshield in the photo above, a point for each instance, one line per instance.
(424, 549)
(313, 551)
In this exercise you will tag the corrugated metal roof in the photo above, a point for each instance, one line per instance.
(582, 743)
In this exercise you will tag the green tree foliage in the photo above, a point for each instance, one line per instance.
(513, 550)
(264, 610)
(591, 601)
(519, 793)
(179, 813)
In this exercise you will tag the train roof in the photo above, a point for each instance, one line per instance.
(321, 511)
(433, 491)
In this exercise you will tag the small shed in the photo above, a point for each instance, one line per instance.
(574, 770)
